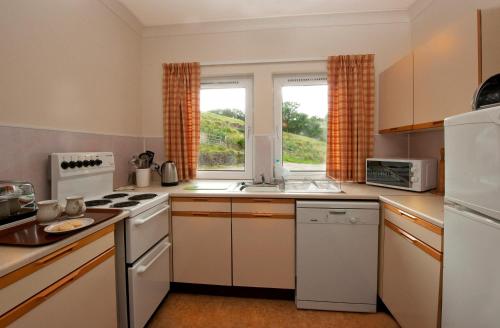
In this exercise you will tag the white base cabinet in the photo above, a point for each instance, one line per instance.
(87, 300)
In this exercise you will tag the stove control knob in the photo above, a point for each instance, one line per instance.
(79, 163)
(86, 163)
(98, 162)
(92, 162)
(64, 165)
(72, 164)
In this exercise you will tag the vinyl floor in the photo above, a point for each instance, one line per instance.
(181, 310)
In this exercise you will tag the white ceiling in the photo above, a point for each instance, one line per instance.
(166, 12)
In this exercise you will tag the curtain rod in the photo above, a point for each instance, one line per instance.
(267, 61)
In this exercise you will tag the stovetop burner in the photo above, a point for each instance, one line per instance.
(142, 197)
(97, 202)
(125, 204)
(117, 195)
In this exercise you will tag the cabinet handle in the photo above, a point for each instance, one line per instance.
(264, 215)
(56, 255)
(200, 213)
(262, 200)
(200, 199)
(144, 268)
(142, 221)
(408, 215)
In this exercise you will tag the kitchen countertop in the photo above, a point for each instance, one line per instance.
(428, 207)
(15, 257)
(350, 191)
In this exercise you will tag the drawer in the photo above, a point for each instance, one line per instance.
(20, 285)
(202, 204)
(84, 298)
(144, 230)
(427, 232)
(148, 283)
(263, 205)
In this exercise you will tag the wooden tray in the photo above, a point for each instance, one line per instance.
(32, 234)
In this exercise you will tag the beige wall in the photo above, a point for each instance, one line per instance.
(388, 40)
(69, 64)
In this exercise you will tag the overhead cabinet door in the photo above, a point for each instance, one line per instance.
(396, 95)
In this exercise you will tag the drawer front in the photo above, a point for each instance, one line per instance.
(204, 204)
(202, 249)
(47, 270)
(411, 282)
(263, 205)
(145, 230)
(84, 298)
(148, 283)
(423, 230)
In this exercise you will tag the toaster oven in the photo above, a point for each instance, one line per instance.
(408, 174)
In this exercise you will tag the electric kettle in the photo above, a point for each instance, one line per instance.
(168, 174)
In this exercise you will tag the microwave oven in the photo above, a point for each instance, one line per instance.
(408, 174)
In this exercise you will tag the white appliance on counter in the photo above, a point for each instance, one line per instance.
(337, 255)
(412, 174)
(471, 266)
(142, 241)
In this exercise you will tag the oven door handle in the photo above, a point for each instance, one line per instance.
(144, 268)
(139, 222)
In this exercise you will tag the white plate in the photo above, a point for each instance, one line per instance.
(84, 221)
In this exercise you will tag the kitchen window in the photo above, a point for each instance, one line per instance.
(225, 128)
(301, 110)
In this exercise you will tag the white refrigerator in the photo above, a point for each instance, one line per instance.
(471, 264)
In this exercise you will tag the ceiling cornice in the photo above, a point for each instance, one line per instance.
(124, 14)
(302, 21)
(417, 8)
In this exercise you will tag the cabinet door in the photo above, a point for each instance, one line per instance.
(446, 72)
(396, 95)
(84, 298)
(411, 280)
(264, 252)
(202, 248)
(490, 30)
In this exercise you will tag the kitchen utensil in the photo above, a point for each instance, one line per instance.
(151, 157)
(168, 174)
(75, 206)
(48, 210)
(142, 177)
(488, 94)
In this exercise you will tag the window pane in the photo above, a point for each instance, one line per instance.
(304, 114)
(222, 133)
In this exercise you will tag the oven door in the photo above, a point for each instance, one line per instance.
(148, 283)
(145, 230)
(395, 174)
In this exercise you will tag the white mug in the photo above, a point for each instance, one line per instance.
(75, 206)
(48, 210)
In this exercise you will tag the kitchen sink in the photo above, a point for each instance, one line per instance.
(298, 186)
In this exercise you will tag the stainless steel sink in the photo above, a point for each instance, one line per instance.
(298, 186)
(258, 187)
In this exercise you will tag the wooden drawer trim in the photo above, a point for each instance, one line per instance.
(415, 219)
(52, 257)
(264, 200)
(202, 199)
(423, 246)
(264, 216)
(202, 214)
(39, 298)
(414, 127)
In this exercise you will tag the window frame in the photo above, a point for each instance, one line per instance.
(279, 81)
(229, 82)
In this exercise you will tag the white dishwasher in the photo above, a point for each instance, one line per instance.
(337, 251)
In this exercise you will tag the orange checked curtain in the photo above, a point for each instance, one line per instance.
(351, 89)
(181, 116)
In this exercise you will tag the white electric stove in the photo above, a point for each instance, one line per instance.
(142, 240)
